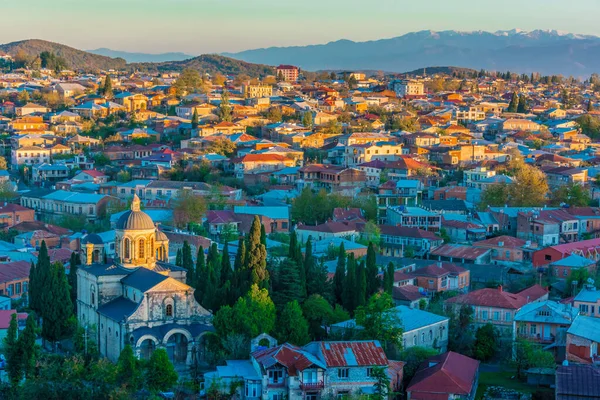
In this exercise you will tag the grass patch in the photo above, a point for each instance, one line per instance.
(506, 380)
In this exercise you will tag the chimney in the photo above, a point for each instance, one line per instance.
(500, 288)
(439, 264)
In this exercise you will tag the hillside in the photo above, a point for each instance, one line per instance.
(547, 52)
(210, 63)
(439, 70)
(76, 59)
(131, 57)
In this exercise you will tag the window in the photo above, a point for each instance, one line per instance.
(415, 340)
(507, 316)
(126, 248)
(422, 337)
(496, 315)
(312, 396)
(169, 310)
(252, 389)
(583, 308)
(275, 376)
(484, 315)
(369, 372)
(430, 335)
(343, 373)
(142, 248)
(18, 288)
(565, 273)
(533, 329)
(548, 257)
(277, 396)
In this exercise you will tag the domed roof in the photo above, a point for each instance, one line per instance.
(92, 238)
(135, 219)
(160, 236)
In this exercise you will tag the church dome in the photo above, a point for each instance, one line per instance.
(135, 219)
(160, 236)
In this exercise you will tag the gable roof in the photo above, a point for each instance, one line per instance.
(490, 298)
(448, 373)
(577, 382)
(143, 279)
(355, 353)
(293, 358)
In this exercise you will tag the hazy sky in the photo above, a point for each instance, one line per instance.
(205, 26)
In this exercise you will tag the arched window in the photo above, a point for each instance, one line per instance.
(430, 335)
(92, 295)
(151, 246)
(169, 310)
(142, 248)
(126, 248)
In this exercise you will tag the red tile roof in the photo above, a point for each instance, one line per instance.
(459, 251)
(290, 356)
(490, 298)
(448, 373)
(533, 293)
(356, 353)
(507, 241)
(14, 271)
(407, 293)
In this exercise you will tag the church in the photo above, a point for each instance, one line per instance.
(140, 299)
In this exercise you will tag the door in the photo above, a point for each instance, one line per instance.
(547, 332)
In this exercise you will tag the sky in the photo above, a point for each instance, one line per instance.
(213, 26)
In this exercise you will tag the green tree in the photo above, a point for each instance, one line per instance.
(496, 195)
(107, 90)
(188, 208)
(350, 284)
(57, 309)
(573, 194)
(128, 370)
(413, 358)
(256, 255)
(225, 110)
(486, 342)
(388, 278)
(373, 282)
(74, 263)
(195, 119)
(307, 119)
(187, 262)
(522, 106)
(160, 373)
(318, 313)
(380, 321)
(340, 275)
(14, 355)
(189, 81)
(27, 346)
(39, 279)
(514, 104)
(288, 287)
(292, 326)
(361, 284)
(576, 280)
(382, 382)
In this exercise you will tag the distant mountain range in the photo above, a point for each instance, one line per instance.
(88, 61)
(544, 51)
(140, 57)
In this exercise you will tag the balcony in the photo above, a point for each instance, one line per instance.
(312, 386)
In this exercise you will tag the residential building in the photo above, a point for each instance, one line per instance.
(545, 322)
(413, 217)
(12, 214)
(408, 88)
(289, 73)
(577, 382)
(440, 277)
(258, 90)
(60, 202)
(562, 269)
(395, 240)
(445, 376)
(583, 338)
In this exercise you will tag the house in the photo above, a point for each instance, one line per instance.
(461, 253)
(587, 301)
(30, 108)
(259, 163)
(586, 248)
(327, 230)
(544, 322)
(289, 73)
(494, 306)
(416, 217)
(12, 214)
(514, 124)
(409, 295)
(29, 155)
(14, 279)
(463, 229)
(577, 382)
(317, 370)
(505, 248)
(583, 337)
(332, 178)
(445, 376)
(420, 328)
(395, 240)
(562, 269)
(440, 277)
(61, 202)
(91, 175)
(280, 216)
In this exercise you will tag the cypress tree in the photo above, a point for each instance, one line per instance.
(179, 258)
(373, 282)
(32, 291)
(522, 105)
(57, 309)
(226, 271)
(72, 278)
(43, 275)
(340, 275)
(200, 278)
(288, 284)
(195, 119)
(27, 346)
(350, 284)
(293, 246)
(361, 285)
(213, 261)
(14, 356)
(107, 89)
(514, 103)
(256, 256)
(187, 262)
(309, 268)
(263, 235)
(240, 286)
(388, 283)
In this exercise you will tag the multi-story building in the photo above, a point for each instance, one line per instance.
(441, 277)
(544, 322)
(469, 114)
(396, 240)
(14, 279)
(330, 177)
(315, 371)
(60, 202)
(12, 214)
(473, 176)
(408, 88)
(251, 91)
(289, 73)
(29, 155)
(362, 153)
(415, 217)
